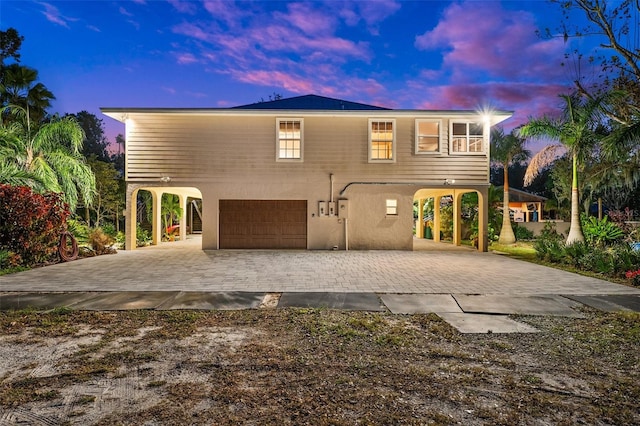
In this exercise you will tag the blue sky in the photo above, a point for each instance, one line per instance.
(398, 54)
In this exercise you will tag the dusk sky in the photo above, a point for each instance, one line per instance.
(397, 54)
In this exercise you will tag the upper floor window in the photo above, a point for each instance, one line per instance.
(289, 139)
(382, 135)
(427, 136)
(467, 137)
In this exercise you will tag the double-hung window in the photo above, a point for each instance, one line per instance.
(427, 136)
(289, 140)
(467, 137)
(382, 138)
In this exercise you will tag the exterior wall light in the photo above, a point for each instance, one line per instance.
(165, 179)
(449, 181)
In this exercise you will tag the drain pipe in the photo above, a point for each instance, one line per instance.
(331, 180)
(346, 235)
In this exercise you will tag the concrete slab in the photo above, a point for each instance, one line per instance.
(610, 303)
(16, 301)
(346, 301)
(420, 303)
(221, 301)
(483, 323)
(523, 305)
(124, 300)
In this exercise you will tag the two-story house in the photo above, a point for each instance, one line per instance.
(307, 172)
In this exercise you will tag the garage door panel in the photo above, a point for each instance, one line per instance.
(263, 224)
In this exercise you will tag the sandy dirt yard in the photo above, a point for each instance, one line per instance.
(317, 367)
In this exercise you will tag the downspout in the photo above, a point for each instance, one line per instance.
(331, 180)
(346, 235)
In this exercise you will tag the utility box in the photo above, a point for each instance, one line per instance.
(322, 208)
(332, 208)
(343, 209)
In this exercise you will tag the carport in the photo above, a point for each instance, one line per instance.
(183, 193)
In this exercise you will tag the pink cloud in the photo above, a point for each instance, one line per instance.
(308, 20)
(374, 12)
(124, 12)
(524, 99)
(183, 6)
(499, 42)
(287, 81)
(193, 31)
(186, 58)
(371, 12)
(53, 15)
(225, 10)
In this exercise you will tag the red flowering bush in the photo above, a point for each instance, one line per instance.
(31, 223)
(634, 276)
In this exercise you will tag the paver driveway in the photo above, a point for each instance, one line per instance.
(183, 266)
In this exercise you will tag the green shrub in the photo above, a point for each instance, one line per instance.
(549, 245)
(109, 229)
(575, 253)
(143, 238)
(522, 233)
(600, 232)
(79, 230)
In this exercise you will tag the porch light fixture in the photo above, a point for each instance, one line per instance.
(449, 181)
(165, 179)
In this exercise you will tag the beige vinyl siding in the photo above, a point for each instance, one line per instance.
(227, 148)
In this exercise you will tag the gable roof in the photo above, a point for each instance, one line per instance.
(311, 102)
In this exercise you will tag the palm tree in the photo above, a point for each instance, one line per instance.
(18, 87)
(48, 154)
(576, 133)
(171, 210)
(507, 150)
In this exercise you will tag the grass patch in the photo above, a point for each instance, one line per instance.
(522, 250)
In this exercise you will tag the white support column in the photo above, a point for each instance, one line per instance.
(457, 213)
(483, 219)
(183, 218)
(420, 224)
(436, 218)
(156, 226)
(130, 224)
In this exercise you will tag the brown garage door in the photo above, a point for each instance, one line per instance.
(263, 224)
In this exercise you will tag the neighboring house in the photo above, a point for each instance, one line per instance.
(306, 172)
(525, 206)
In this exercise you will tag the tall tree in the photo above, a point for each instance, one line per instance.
(49, 152)
(10, 44)
(118, 158)
(615, 24)
(507, 150)
(95, 143)
(107, 199)
(19, 88)
(576, 133)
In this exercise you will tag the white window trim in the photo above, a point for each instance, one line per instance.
(394, 142)
(440, 136)
(485, 137)
(290, 160)
(391, 204)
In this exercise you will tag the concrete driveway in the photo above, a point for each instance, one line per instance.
(474, 292)
(182, 266)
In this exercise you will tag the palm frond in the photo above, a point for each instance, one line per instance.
(540, 161)
(12, 174)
